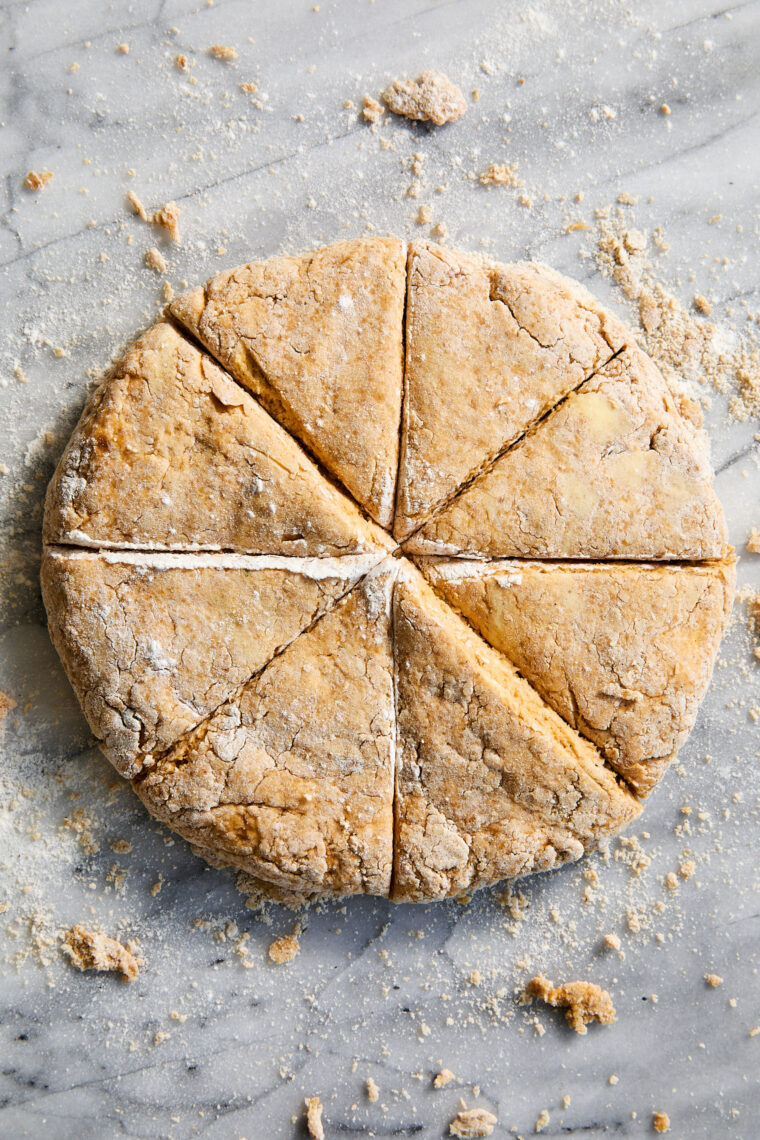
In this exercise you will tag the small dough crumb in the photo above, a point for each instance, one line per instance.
(501, 174)
(542, 1120)
(221, 51)
(136, 205)
(714, 980)
(753, 542)
(284, 949)
(372, 111)
(424, 215)
(91, 951)
(687, 868)
(583, 1001)
(661, 1122)
(154, 260)
(314, 1118)
(443, 1078)
(702, 305)
(373, 1092)
(182, 62)
(612, 941)
(472, 1122)
(431, 98)
(36, 179)
(168, 219)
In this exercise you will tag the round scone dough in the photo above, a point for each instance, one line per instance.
(388, 570)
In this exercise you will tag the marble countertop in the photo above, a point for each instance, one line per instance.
(213, 1039)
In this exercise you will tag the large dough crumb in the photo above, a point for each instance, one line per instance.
(284, 949)
(314, 1118)
(661, 1122)
(472, 1122)
(583, 1001)
(90, 951)
(431, 98)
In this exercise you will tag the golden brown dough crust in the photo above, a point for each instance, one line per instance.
(318, 340)
(489, 349)
(171, 453)
(292, 779)
(623, 652)
(490, 783)
(615, 471)
(152, 644)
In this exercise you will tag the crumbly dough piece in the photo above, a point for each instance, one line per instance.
(471, 1123)
(623, 652)
(153, 643)
(292, 779)
(432, 98)
(615, 471)
(583, 1002)
(489, 349)
(491, 783)
(88, 950)
(172, 453)
(319, 341)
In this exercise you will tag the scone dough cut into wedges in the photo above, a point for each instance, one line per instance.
(318, 340)
(292, 779)
(616, 471)
(489, 349)
(491, 784)
(171, 453)
(623, 652)
(154, 643)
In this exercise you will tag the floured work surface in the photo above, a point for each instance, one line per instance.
(384, 595)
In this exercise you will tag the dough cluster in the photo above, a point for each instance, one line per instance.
(388, 570)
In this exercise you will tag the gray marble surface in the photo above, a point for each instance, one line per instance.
(206, 1042)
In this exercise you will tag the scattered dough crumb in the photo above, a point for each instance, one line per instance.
(714, 980)
(182, 62)
(372, 111)
(314, 1118)
(440, 229)
(612, 941)
(137, 206)
(671, 882)
(583, 1001)
(753, 542)
(472, 1122)
(431, 98)
(36, 179)
(661, 1122)
(542, 1120)
(664, 109)
(124, 49)
(501, 174)
(221, 51)
(687, 868)
(443, 1078)
(702, 305)
(613, 1079)
(90, 951)
(154, 260)
(168, 219)
(284, 949)
(249, 88)
(424, 215)
(373, 1092)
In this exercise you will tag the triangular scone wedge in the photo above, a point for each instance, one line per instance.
(491, 783)
(170, 453)
(152, 643)
(489, 349)
(622, 651)
(319, 340)
(615, 471)
(292, 779)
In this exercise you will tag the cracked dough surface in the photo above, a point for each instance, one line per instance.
(615, 471)
(315, 338)
(623, 652)
(489, 349)
(280, 682)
